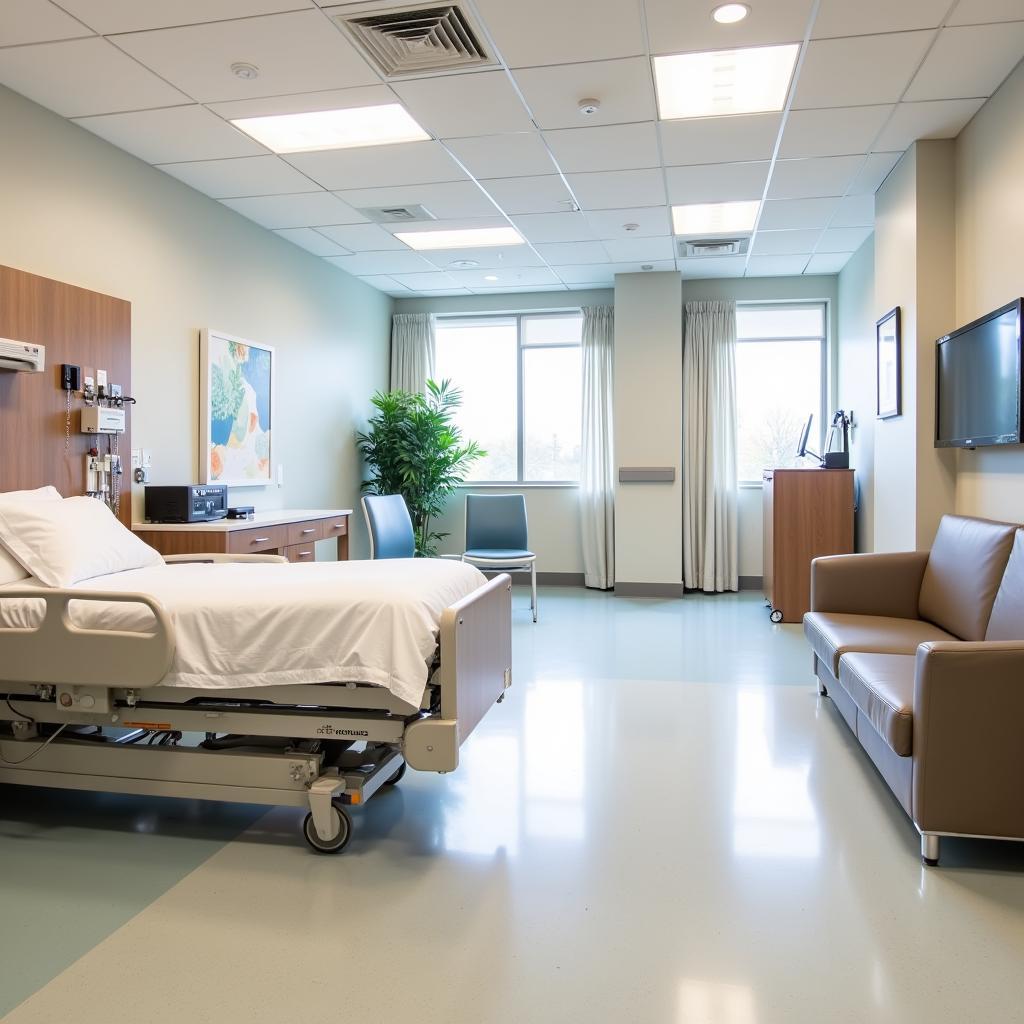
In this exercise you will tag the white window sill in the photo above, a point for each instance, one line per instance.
(751, 485)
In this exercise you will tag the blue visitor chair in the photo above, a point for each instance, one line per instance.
(387, 519)
(496, 537)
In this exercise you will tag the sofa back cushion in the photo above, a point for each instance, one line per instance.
(1007, 620)
(964, 571)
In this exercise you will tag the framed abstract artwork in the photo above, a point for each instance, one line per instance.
(889, 354)
(236, 416)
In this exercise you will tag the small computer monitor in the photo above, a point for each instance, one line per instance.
(801, 448)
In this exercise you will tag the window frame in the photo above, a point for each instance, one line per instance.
(518, 317)
(823, 339)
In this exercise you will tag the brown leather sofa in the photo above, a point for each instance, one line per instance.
(923, 655)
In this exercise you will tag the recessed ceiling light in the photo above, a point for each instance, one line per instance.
(714, 218)
(490, 277)
(333, 129)
(466, 238)
(729, 14)
(720, 82)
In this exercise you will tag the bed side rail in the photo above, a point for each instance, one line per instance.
(218, 557)
(57, 652)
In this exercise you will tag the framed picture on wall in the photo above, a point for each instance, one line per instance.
(889, 353)
(236, 415)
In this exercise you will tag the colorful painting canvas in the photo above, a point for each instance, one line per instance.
(238, 409)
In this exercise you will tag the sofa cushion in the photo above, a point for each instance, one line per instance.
(1007, 619)
(882, 686)
(833, 634)
(964, 568)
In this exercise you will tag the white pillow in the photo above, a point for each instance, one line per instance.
(10, 570)
(47, 493)
(64, 542)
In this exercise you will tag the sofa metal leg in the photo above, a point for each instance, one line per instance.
(929, 849)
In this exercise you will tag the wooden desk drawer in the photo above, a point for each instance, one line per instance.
(336, 526)
(301, 552)
(307, 532)
(266, 538)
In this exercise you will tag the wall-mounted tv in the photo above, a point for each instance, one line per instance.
(978, 382)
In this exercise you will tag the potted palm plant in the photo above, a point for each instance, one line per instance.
(413, 447)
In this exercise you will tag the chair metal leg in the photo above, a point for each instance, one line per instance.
(533, 589)
(929, 849)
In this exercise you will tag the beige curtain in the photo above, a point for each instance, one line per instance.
(413, 351)
(710, 561)
(597, 472)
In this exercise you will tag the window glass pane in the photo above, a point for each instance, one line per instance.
(559, 329)
(780, 321)
(552, 413)
(479, 357)
(778, 385)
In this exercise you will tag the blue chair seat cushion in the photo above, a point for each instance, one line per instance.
(500, 554)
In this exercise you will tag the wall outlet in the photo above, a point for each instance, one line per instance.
(147, 459)
(136, 459)
(101, 378)
(280, 475)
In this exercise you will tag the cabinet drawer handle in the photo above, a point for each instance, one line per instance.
(309, 529)
(305, 554)
(337, 526)
(260, 540)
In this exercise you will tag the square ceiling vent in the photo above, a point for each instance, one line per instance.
(416, 40)
(690, 247)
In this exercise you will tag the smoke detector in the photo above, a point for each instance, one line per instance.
(589, 106)
(243, 69)
(464, 264)
(689, 247)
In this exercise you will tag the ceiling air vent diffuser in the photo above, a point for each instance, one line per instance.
(713, 246)
(416, 40)
(396, 214)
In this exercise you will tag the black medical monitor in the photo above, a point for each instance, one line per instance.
(801, 448)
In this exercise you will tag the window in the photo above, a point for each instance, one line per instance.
(781, 368)
(521, 378)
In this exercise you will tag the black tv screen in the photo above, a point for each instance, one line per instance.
(978, 380)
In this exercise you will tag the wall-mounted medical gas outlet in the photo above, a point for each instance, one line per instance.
(98, 419)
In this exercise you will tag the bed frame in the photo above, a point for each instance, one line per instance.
(83, 709)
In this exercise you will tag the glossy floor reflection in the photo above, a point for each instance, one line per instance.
(698, 841)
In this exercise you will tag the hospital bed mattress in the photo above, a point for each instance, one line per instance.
(267, 624)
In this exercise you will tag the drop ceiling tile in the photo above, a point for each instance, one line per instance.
(645, 220)
(970, 60)
(503, 156)
(784, 243)
(775, 266)
(854, 212)
(309, 210)
(499, 290)
(676, 27)
(444, 292)
(36, 21)
(79, 77)
(241, 176)
(703, 267)
(627, 250)
(931, 119)
(714, 183)
(432, 280)
(715, 140)
(384, 283)
(312, 241)
(447, 200)
(454, 106)
(611, 147)
(370, 264)
(554, 227)
(613, 190)
(843, 239)
(979, 12)
(827, 263)
(834, 131)
(378, 166)
(172, 134)
(873, 173)
(513, 277)
(296, 52)
(595, 275)
(108, 16)
(545, 194)
(623, 87)
(565, 254)
(363, 237)
(859, 70)
(795, 214)
(866, 17)
(814, 177)
(534, 32)
(490, 257)
(304, 102)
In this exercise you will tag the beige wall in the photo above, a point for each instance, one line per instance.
(74, 208)
(990, 271)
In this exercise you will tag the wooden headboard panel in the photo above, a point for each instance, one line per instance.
(76, 326)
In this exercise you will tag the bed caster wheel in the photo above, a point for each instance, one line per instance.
(776, 615)
(339, 840)
(500, 699)
(398, 776)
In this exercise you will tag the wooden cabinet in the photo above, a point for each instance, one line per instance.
(807, 513)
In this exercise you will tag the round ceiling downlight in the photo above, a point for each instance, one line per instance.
(729, 14)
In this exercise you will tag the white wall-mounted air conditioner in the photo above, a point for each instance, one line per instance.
(22, 357)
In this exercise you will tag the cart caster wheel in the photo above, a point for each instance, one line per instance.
(776, 615)
(500, 699)
(398, 776)
(342, 833)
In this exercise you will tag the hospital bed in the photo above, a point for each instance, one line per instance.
(127, 684)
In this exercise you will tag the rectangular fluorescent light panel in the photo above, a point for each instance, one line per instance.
(722, 82)
(714, 218)
(382, 125)
(467, 238)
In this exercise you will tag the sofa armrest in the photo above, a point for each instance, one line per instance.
(872, 584)
(968, 723)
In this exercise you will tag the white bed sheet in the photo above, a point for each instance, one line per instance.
(269, 624)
